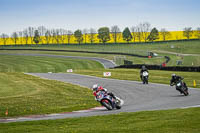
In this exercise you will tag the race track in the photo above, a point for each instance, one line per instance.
(136, 96)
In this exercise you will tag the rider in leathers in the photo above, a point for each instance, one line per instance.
(143, 69)
(175, 78)
(97, 88)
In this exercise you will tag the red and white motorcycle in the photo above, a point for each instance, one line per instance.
(109, 101)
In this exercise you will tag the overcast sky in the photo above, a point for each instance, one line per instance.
(15, 15)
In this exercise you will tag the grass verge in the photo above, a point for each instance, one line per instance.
(155, 76)
(168, 121)
(22, 94)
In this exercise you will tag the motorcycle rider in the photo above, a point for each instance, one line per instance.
(143, 69)
(96, 88)
(175, 78)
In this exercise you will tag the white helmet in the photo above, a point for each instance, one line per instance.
(94, 87)
(173, 75)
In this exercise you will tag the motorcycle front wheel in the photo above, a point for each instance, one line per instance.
(185, 93)
(107, 104)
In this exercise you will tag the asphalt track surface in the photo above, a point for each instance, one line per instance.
(136, 96)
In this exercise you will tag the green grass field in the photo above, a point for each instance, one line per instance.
(135, 60)
(185, 47)
(156, 76)
(169, 121)
(22, 94)
(163, 49)
(25, 95)
(10, 63)
(187, 60)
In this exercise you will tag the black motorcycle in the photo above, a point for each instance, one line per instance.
(145, 76)
(181, 87)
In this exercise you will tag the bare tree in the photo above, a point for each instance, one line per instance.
(31, 33)
(165, 34)
(63, 35)
(134, 33)
(42, 30)
(187, 32)
(25, 36)
(197, 34)
(85, 32)
(139, 33)
(115, 32)
(14, 37)
(4, 38)
(91, 34)
(48, 36)
(60, 36)
(56, 36)
(145, 29)
(20, 33)
(53, 31)
(69, 36)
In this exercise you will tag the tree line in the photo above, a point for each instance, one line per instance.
(143, 31)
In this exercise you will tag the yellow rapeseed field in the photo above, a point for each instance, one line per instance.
(174, 35)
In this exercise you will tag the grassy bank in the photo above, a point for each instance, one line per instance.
(186, 60)
(169, 121)
(12, 63)
(155, 75)
(22, 94)
(135, 60)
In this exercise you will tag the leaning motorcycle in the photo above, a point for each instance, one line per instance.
(108, 101)
(182, 88)
(145, 75)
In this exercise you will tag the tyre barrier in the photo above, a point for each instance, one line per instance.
(160, 67)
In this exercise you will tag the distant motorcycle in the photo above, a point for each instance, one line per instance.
(145, 76)
(108, 101)
(181, 87)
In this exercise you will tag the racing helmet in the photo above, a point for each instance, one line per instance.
(143, 67)
(95, 87)
(173, 75)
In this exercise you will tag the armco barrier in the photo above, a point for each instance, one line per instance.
(159, 67)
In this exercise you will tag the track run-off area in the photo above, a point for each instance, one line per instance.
(136, 96)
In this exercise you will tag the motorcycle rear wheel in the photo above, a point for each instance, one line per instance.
(118, 107)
